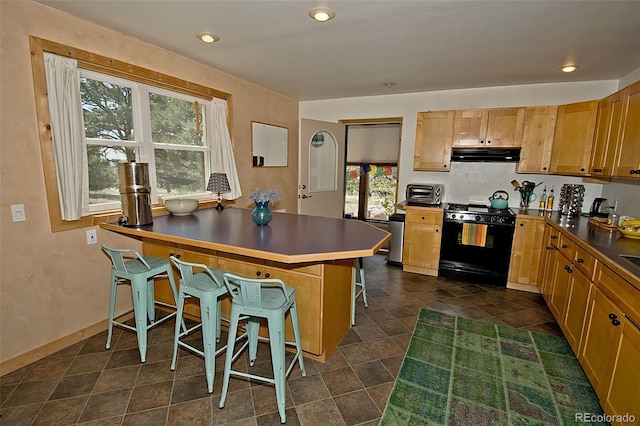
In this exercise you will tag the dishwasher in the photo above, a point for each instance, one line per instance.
(396, 227)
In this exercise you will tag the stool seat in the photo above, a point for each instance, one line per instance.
(128, 266)
(270, 299)
(208, 287)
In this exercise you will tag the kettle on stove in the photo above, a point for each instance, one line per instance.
(599, 208)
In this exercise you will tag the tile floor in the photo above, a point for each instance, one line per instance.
(86, 384)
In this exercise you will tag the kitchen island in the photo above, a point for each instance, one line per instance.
(312, 254)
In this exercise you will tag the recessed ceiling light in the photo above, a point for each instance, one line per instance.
(208, 37)
(322, 14)
(569, 68)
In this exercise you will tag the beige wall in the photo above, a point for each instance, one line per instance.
(53, 285)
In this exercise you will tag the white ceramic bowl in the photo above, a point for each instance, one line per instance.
(181, 206)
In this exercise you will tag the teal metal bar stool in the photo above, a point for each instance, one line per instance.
(139, 271)
(270, 299)
(358, 287)
(208, 286)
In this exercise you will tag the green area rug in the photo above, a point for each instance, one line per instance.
(459, 371)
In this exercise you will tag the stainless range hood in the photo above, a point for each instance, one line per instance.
(486, 155)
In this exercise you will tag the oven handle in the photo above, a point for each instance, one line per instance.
(510, 225)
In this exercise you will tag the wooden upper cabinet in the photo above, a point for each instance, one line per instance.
(608, 126)
(434, 137)
(627, 163)
(537, 139)
(573, 138)
(499, 127)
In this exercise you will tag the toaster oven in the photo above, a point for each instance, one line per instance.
(422, 194)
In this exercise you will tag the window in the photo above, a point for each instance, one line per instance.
(129, 121)
(116, 149)
(370, 191)
(371, 175)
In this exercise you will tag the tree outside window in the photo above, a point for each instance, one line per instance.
(127, 121)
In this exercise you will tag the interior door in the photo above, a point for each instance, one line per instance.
(322, 168)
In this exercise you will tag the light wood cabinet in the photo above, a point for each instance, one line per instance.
(307, 294)
(559, 285)
(422, 239)
(599, 312)
(602, 334)
(526, 252)
(573, 138)
(624, 390)
(537, 139)
(579, 288)
(324, 308)
(498, 127)
(607, 137)
(434, 137)
(627, 163)
(549, 254)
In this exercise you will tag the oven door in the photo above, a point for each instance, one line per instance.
(474, 252)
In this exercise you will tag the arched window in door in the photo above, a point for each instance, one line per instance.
(323, 157)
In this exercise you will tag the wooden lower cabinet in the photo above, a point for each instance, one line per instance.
(323, 296)
(307, 294)
(559, 286)
(579, 288)
(549, 254)
(599, 314)
(526, 252)
(602, 335)
(623, 397)
(422, 238)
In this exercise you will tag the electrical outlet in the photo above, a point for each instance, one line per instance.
(92, 236)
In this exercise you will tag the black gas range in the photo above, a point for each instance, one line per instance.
(476, 243)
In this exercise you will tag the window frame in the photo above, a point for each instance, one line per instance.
(143, 141)
(104, 65)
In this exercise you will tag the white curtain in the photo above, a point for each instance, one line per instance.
(223, 159)
(67, 128)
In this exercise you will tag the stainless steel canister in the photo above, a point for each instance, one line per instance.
(135, 194)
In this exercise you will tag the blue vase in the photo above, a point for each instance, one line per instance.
(261, 214)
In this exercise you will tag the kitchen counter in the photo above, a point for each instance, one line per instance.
(288, 238)
(312, 254)
(605, 245)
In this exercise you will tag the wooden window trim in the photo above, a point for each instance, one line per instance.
(105, 65)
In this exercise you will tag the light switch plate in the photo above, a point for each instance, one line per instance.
(17, 213)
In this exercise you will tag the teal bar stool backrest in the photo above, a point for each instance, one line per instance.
(270, 299)
(207, 285)
(130, 267)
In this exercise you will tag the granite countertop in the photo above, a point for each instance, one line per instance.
(609, 245)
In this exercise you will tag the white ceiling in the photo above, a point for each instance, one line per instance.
(421, 45)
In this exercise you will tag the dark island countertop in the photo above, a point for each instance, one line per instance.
(288, 238)
(607, 246)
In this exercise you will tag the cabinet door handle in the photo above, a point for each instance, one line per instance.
(580, 260)
(258, 273)
(613, 316)
(522, 224)
(553, 237)
(177, 256)
(267, 275)
(564, 246)
(615, 322)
